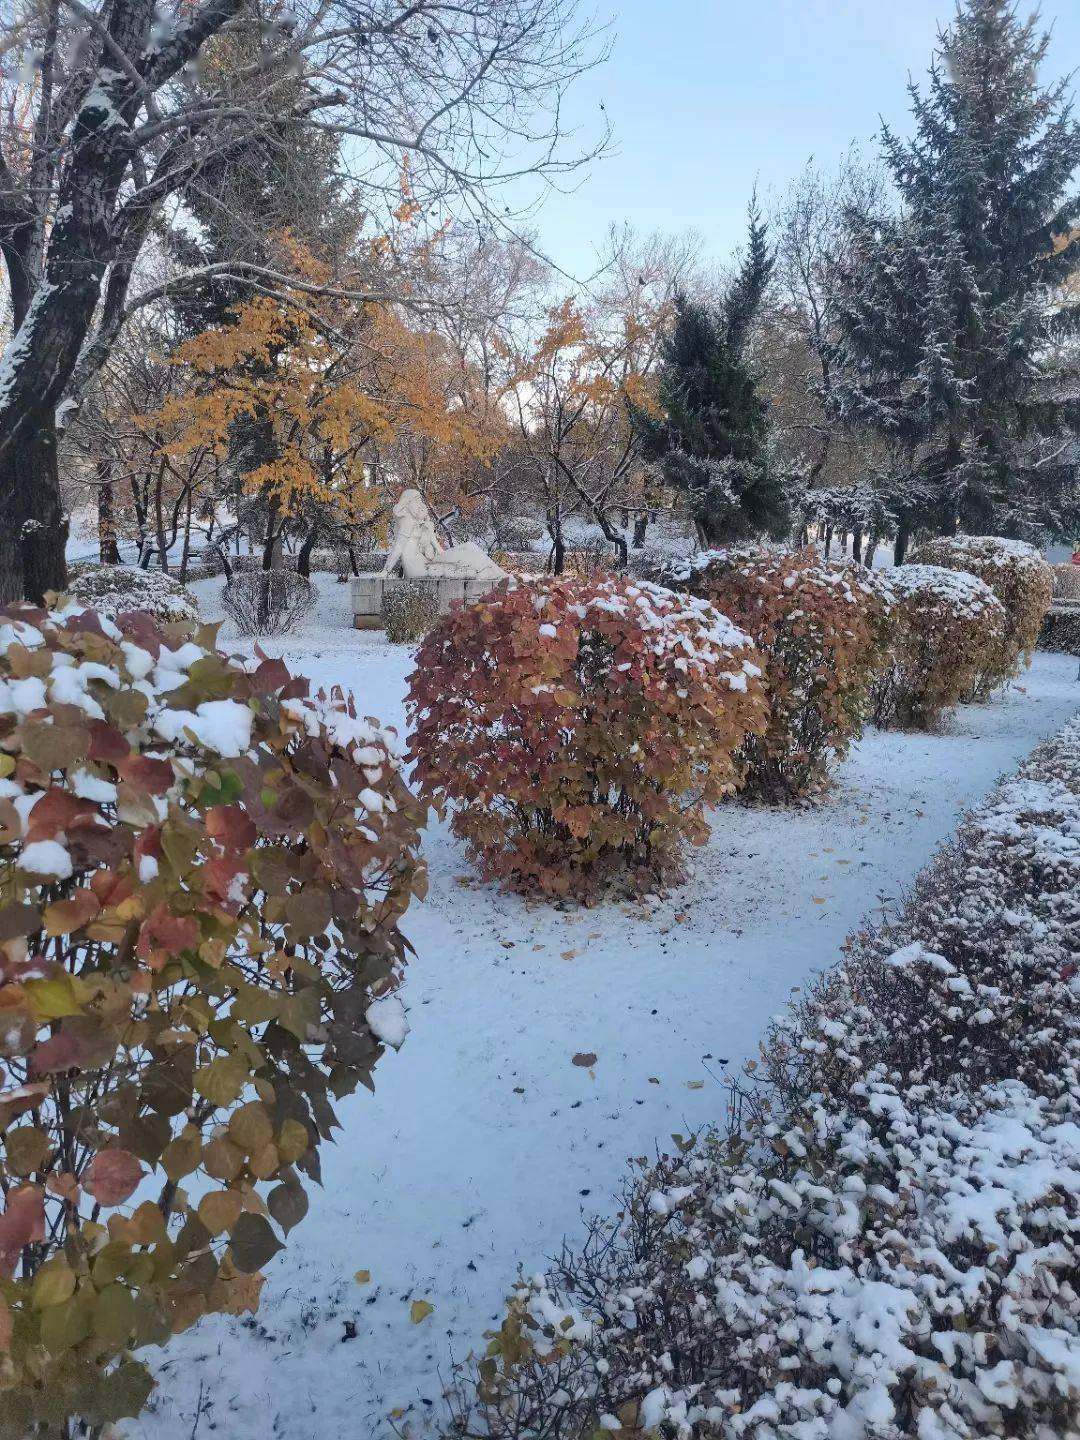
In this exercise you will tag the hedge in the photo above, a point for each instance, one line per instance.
(883, 1243)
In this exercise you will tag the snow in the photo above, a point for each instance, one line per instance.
(387, 1021)
(46, 857)
(484, 1144)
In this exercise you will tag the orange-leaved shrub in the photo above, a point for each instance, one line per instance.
(1020, 578)
(947, 627)
(202, 871)
(820, 628)
(578, 728)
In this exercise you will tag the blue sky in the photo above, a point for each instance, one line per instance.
(708, 96)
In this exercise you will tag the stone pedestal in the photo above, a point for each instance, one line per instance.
(368, 590)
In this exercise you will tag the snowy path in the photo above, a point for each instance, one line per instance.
(485, 1143)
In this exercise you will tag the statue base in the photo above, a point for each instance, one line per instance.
(368, 591)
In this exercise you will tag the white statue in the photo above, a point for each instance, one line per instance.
(416, 553)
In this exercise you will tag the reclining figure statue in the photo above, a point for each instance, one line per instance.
(416, 553)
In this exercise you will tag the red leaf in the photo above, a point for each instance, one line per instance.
(231, 826)
(107, 742)
(112, 1176)
(22, 1223)
(154, 776)
(270, 676)
(172, 933)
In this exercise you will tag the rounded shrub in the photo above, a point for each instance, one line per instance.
(409, 610)
(268, 602)
(118, 589)
(1020, 578)
(578, 729)
(820, 629)
(203, 871)
(947, 628)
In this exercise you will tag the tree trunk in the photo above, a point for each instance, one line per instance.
(641, 524)
(856, 546)
(828, 540)
(108, 549)
(903, 535)
(33, 529)
(303, 557)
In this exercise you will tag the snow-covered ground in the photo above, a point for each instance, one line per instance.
(485, 1141)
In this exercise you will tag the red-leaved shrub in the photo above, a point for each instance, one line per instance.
(947, 628)
(201, 876)
(820, 629)
(579, 728)
(1020, 578)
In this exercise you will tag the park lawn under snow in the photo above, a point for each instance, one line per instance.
(485, 1142)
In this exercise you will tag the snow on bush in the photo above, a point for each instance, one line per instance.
(948, 629)
(885, 1243)
(1019, 577)
(203, 871)
(577, 729)
(820, 630)
(117, 589)
(268, 602)
(409, 610)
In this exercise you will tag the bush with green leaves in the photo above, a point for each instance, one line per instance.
(1021, 579)
(202, 874)
(409, 610)
(118, 589)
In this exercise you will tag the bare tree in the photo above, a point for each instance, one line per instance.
(118, 107)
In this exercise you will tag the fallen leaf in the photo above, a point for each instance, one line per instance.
(420, 1310)
(362, 1277)
(568, 954)
(584, 1058)
(818, 899)
(695, 1084)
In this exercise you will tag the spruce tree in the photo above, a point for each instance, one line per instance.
(949, 306)
(711, 437)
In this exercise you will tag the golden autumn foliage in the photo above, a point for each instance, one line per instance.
(331, 384)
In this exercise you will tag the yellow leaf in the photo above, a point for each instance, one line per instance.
(54, 1283)
(362, 1277)
(420, 1310)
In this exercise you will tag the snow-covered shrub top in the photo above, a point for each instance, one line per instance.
(947, 632)
(1066, 582)
(579, 728)
(888, 1245)
(116, 589)
(1019, 577)
(821, 630)
(962, 591)
(203, 871)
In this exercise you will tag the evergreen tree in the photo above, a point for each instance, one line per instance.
(948, 307)
(711, 437)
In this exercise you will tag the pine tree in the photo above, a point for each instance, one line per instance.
(948, 306)
(712, 431)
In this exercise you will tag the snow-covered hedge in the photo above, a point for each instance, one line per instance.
(578, 729)
(885, 1244)
(1061, 631)
(117, 589)
(821, 631)
(1019, 577)
(947, 631)
(202, 871)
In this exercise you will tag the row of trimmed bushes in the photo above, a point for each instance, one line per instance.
(577, 730)
(885, 1240)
